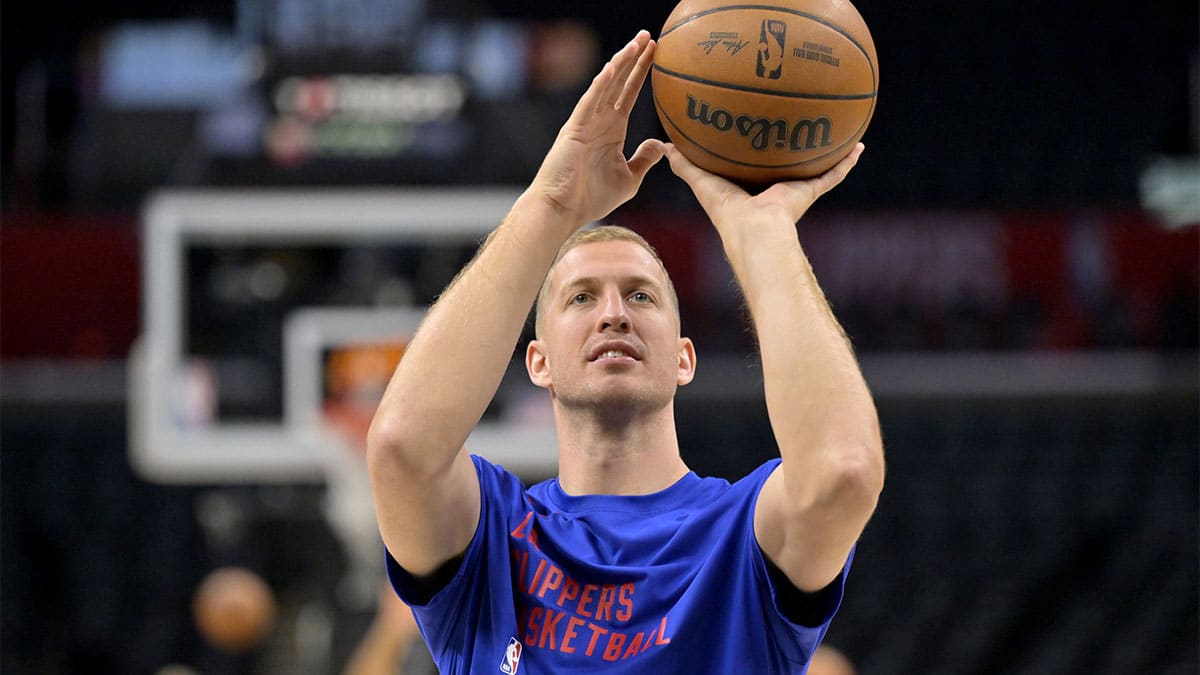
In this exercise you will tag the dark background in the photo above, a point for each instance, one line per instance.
(1037, 104)
(1036, 533)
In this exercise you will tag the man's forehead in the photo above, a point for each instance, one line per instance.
(595, 261)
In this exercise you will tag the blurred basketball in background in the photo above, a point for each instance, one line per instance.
(234, 609)
(760, 93)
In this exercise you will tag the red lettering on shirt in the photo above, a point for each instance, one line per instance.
(526, 531)
(519, 533)
(585, 599)
(531, 635)
(537, 575)
(553, 608)
(613, 651)
(634, 645)
(597, 631)
(662, 633)
(625, 600)
(649, 641)
(554, 578)
(549, 629)
(570, 591)
(608, 593)
(573, 624)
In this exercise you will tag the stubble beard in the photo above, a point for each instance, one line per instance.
(613, 403)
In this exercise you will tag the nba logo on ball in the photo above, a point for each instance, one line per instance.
(765, 92)
(512, 657)
(770, 49)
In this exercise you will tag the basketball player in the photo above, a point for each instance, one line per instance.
(391, 644)
(627, 562)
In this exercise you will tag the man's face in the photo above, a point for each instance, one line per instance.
(610, 331)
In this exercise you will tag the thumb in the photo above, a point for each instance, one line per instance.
(646, 156)
(835, 175)
(710, 189)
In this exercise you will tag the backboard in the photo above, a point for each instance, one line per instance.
(246, 293)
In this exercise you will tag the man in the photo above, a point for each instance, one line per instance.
(391, 644)
(627, 562)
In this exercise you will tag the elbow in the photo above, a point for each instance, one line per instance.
(845, 477)
(858, 475)
(385, 445)
(401, 444)
(864, 475)
(383, 436)
(390, 447)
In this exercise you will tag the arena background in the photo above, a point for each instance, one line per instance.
(1016, 260)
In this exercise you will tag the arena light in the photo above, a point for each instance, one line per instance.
(1170, 189)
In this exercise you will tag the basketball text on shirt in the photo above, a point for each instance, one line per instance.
(562, 614)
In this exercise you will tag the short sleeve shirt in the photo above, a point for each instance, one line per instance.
(668, 582)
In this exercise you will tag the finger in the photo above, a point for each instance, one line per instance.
(624, 61)
(591, 99)
(602, 86)
(646, 156)
(709, 188)
(801, 194)
(831, 178)
(636, 78)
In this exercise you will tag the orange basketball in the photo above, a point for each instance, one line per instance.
(234, 609)
(765, 92)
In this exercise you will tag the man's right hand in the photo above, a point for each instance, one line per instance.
(585, 175)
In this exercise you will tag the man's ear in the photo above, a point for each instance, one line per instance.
(536, 364)
(687, 361)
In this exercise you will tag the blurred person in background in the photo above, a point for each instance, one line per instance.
(392, 644)
(829, 660)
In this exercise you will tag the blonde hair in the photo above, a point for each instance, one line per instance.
(592, 235)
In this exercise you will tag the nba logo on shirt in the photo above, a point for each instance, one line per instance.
(512, 657)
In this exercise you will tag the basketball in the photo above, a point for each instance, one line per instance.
(234, 609)
(767, 92)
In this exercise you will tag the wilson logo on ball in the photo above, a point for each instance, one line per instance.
(805, 134)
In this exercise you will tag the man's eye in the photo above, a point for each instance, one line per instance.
(640, 296)
(579, 298)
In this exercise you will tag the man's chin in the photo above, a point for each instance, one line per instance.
(615, 398)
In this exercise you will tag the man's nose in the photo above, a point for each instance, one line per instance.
(613, 311)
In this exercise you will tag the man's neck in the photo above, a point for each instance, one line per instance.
(637, 456)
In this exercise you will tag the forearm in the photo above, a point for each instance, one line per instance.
(821, 410)
(453, 365)
(810, 511)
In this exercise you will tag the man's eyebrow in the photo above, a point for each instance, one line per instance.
(636, 279)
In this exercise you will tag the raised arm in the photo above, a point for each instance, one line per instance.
(813, 508)
(425, 487)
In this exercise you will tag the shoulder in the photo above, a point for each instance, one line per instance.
(728, 508)
(748, 487)
(494, 479)
(755, 479)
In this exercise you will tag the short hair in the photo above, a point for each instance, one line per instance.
(591, 235)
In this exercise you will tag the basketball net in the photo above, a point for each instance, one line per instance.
(355, 377)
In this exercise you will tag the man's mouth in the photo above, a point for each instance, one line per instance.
(615, 351)
(611, 354)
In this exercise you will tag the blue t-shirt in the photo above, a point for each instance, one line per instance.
(669, 582)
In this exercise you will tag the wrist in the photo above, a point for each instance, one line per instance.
(536, 207)
(760, 244)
